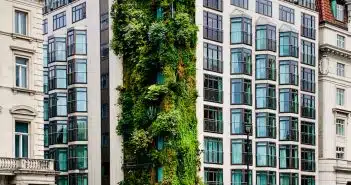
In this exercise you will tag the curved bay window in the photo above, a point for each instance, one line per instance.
(213, 119)
(77, 100)
(77, 71)
(308, 161)
(308, 133)
(76, 42)
(239, 119)
(265, 154)
(288, 129)
(308, 81)
(308, 106)
(265, 125)
(78, 157)
(308, 53)
(265, 67)
(213, 27)
(240, 154)
(58, 132)
(57, 77)
(265, 96)
(288, 73)
(239, 177)
(289, 179)
(288, 157)
(58, 105)
(213, 58)
(60, 157)
(241, 31)
(266, 178)
(265, 38)
(213, 88)
(57, 49)
(78, 179)
(288, 101)
(213, 153)
(241, 92)
(288, 44)
(241, 62)
(78, 128)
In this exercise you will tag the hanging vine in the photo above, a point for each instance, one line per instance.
(157, 42)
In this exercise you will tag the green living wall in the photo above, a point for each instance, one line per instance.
(157, 42)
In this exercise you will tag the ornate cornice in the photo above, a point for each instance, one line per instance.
(330, 49)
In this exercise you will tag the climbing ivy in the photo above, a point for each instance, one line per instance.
(157, 42)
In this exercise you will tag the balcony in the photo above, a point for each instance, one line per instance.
(11, 166)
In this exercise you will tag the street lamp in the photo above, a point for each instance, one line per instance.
(248, 130)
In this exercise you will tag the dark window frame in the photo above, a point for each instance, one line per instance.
(286, 14)
(240, 3)
(308, 26)
(269, 69)
(308, 160)
(308, 106)
(245, 119)
(293, 178)
(54, 80)
(58, 133)
(211, 91)
(214, 64)
(72, 44)
(74, 72)
(270, 125)
(271, 156)
(292, 162)
(270, 97)
(244, 179)
(53, 105)
(213, 32)
(308, 133)
(75, 161)
(269, 41)
(78, 12)
(292, 46)
(245, 154)
(213, 119)
(308, 80)
(293, 73)
(73, 99)
(245, 93)
(75, 130)
(244, 64)
(217, 155)
(214, 4)
(293, 104)
(53, 51)
(292, 128)
(215, 173)
(59, 20)
(308, 53)
(245, 32)
(264, 7)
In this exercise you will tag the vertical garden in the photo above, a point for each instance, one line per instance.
(157, 41)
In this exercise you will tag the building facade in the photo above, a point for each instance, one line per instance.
(21, 88)
(81, 77)
(256, 74)
(334, 88)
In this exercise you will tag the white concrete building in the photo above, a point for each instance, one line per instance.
(21, 90)
(335, 91)
(256, 65)
(82, 75)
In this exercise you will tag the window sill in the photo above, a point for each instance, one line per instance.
(23, 90)
(22, 37)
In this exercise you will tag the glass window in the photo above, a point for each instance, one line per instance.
(286, 14)
(56, 4)
(45, 26)
(77, 100)
(78, 179)
(78, 157)
(265, 96)
(264, 7)
(340, 69)
(241, 151)
(266, 38)
(105, 111)
(59, 20)
(77, 71)
(46, 154)
(308, 53)
(241, 92)
(45, 55)
(21, 72)
(213, 119)
(57, 49)
(340, 41)
(62, 180)
(308, 133)
(288, 129)
(104, 21)
(308, 180)
(239, 177)
(60, 157)
(76, 42)
(240, 3)
(213, 88)
(308, 106)
(78, 128)
(213, 27)
(21, 19)
(105, 78)
(46, 109)
(213, 150)
(289, 179)
(340, 152)
(308, 162)
(241, 31)
(288, 101)
(340, 12)
(159, 174)
(78, 12)
(311, 4)
(308, 26)
(57, 77)
(58, 132)
(239, 119)
(288, 72)
(21, 140)
(265, 154)
(265, 125)
(46, 135)
(288, 157)
(213, 58)
(214, 4)
(213, 176)
(288, 44)
(46, 82)
(57, 105)
(265, 178)
(241, 61)
(340, 127)
(265, 67)
(308, 80)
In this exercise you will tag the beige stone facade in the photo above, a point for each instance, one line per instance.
(21, 95)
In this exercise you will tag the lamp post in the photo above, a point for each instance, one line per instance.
(248, 128)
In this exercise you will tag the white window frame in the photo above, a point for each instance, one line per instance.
(340, 41)
(340, 12)
(339, 125)
(340, 97)
(20, 134)
(340, 152)
(340, 71)
(26, 68)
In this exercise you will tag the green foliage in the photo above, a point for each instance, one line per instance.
(148, 45)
